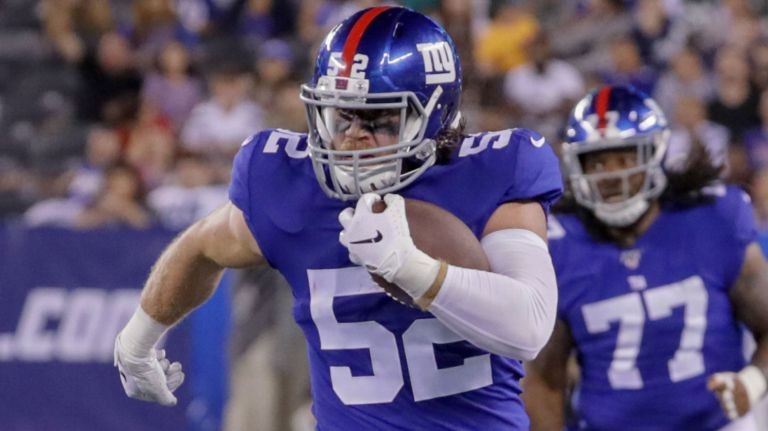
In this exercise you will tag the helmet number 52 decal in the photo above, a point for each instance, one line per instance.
(439, 66)
(359, 64)
(605, 126)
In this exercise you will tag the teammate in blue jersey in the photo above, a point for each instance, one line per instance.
(656, 272)
(383, 111)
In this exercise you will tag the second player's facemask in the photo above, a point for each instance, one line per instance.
(393, 154)
(622, 202)
(616, 118)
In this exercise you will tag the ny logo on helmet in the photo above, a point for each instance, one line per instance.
(438, 62)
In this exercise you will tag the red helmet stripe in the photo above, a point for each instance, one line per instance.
(601, 106)
(353, 39)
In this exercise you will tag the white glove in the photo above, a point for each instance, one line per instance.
(144, 371)
(382, 243)
(148, 378)
(738, 392)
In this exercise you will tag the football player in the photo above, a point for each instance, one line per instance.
(383, 111)
(657, 272)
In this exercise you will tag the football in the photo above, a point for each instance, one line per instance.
(441, 235)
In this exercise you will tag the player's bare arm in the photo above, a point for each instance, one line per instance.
(518, 215)
(183, 278)
(739, 392)
(188, 271)
(546, 380)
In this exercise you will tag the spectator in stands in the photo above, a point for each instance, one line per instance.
(102, 150)
(542, 90)
(686, 77)
(68, 194)
(585, 40)
(262, 20)
(151, 146)
(759, 194)
(716, 24)
(456, 16)
(54, 207)
(171, 88)
(219, 125)
(756, 148)
(76, 27)
(121, 201)
(111, 82)
(758, 62)
(313, 20)
(627, 67)
(189, 194)
(274, 64)
(286, 110)
(658, 32)
(502, 46)
(692, 129)
(743, 24)
(316, 17)
(14, 183)
(735, 101)
(153, 26)
(756, 139)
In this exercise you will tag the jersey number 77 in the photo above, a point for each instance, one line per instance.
(631, 316)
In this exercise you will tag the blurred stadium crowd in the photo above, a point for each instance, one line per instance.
(117, 111)
(129, 112)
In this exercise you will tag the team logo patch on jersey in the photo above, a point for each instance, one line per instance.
(438, 62)
(631, 258)
(637, 282)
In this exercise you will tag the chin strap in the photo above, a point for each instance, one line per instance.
(348, 180)
(624, 216)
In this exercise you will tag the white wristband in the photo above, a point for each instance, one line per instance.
(141, 333)
(754, 382)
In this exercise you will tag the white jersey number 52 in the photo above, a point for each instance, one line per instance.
(427, 380)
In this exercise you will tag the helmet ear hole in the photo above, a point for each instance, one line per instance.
(412, 126)
(322, 127)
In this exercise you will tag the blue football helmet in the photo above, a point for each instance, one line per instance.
(616, 117)
(390, 59)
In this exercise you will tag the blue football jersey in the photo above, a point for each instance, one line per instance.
(651, 322)
(376, 364)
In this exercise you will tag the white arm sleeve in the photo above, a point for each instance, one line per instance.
(510, 311)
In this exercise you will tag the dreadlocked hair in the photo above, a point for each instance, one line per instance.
(684, 188)
(447, 140)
